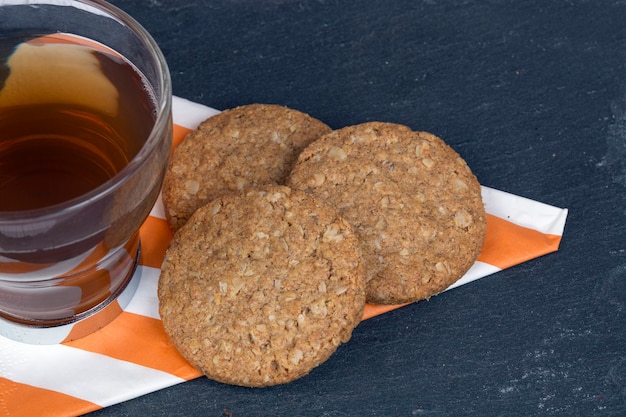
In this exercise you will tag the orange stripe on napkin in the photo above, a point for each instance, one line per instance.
(145, 344)
(97, 321)
(19, 267)
(372, 310)
(155, 237)
(507, 244)
(21, 400)
(179, 134)
(92, 259)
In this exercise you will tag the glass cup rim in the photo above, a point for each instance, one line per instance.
(162, 109)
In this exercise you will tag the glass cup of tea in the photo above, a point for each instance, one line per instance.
(85, 135)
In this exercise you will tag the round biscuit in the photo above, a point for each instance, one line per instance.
(261, 286)
(244, 147)
(413, 201)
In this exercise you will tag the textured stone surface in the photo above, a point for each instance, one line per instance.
(533, 95)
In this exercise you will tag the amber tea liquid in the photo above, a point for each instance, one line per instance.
(71, 117)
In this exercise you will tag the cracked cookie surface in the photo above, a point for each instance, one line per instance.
(413, 201)
(261, 286)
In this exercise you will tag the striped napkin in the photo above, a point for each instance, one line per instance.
(132, 355)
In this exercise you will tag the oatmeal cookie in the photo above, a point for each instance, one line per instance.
(261, 286)
(247, 146)
(413, 201)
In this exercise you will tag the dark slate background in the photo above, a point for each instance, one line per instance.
(533, 95)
